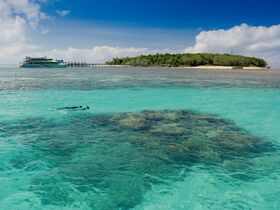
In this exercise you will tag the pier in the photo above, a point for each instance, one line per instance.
(78, 64)
(83, 64)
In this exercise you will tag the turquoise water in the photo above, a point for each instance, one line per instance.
(216, 147)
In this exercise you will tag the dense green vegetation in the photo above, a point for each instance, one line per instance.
(199, 59)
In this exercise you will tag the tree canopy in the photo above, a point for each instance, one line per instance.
(188, 59)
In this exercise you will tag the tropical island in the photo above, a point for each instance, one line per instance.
(190, 60)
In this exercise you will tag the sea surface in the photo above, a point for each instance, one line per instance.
(153, 138)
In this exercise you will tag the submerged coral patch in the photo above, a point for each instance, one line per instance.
(111, 161)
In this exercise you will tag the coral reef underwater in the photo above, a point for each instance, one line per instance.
(109, 161)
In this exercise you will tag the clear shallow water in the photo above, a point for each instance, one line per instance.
(90, 160)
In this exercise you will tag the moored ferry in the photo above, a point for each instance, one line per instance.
(42, 62)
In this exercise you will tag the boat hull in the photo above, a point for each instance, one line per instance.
(27, 65)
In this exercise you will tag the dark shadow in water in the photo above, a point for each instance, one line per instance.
(110, 161)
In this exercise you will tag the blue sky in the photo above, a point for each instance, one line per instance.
(97, 30)
(157, 24)
(176, 14)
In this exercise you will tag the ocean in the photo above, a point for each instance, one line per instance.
(152, 138)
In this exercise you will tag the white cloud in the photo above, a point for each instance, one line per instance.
(63, 13)
(17, 17)
(259, 41)
(24, 8)
(248, 40)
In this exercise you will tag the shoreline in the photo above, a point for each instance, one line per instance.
(227, 68)
(192, 67)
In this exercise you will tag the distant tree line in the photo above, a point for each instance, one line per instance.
(188, 59)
